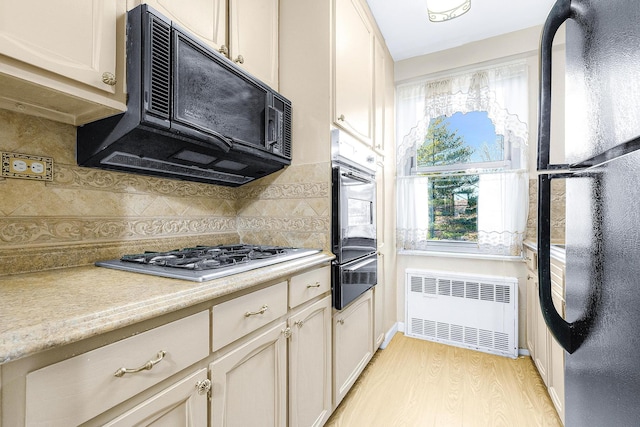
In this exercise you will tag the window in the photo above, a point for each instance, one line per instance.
(462, 183)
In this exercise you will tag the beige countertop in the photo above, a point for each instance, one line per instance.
(40, 311)
(557, 249)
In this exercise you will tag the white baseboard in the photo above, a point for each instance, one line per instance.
(390, 333)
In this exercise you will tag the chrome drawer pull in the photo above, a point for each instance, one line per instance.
(146, 367)
(255, 313)
(317, 285)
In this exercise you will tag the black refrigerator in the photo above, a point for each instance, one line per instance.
(601, 327)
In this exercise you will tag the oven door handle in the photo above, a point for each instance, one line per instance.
(360, 265)
(357, 177)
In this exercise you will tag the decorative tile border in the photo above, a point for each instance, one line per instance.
(35, 230)
(286, 191)
(307, 224)
(117, 182)
(36, 258)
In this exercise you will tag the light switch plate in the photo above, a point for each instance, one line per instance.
(26, 166)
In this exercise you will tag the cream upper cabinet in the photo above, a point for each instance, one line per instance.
(310, 365)
(245, 31)
(353, 79)
(379, 91)
(58, 59)
(205, 18)
(72, 38)
(253, 38)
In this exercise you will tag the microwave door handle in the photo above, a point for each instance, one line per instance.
(274, 128)
(220, 141)
(560, 12)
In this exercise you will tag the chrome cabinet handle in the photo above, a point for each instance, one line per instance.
(340, 321)
(224, 50)
(262, 310)
(146, 367)
(317, 285)
(239, 59)
(299, 323)
(109, 78)
(341, 117)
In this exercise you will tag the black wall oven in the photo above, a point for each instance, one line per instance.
(353, 225)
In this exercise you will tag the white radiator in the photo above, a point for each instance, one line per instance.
(478, 312)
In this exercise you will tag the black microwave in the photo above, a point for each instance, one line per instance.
(191, 113)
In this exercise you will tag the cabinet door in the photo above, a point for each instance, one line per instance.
(310, 365)
(352, 344)
(353, 85)
(249, 383)
(556, 352)
(379, 290)
(253, 38)
(75, 39)
(541, 345)
(184, 404)
(532, 297)
(205, 18)
(379, 88)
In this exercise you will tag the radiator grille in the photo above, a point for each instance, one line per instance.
(474, 312)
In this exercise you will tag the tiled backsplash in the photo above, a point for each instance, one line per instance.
(558, 196)
(89, 214)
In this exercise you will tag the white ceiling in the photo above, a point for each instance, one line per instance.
(408, 32)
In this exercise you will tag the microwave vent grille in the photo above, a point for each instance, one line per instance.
(286, 150)
(127, 161)
(160, 67)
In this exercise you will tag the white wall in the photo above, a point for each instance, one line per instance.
(518, 45)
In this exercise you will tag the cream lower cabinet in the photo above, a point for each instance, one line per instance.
(546, 353)
(353, 344)
(249, 383)
(80, 388)
(182, 404)
(556, 352)
(310, 365)
(275, 366)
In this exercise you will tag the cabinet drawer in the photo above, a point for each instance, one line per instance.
(77, 389)
(235, 318)
(306, 286)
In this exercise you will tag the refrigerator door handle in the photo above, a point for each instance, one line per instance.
(570, 335)
(560, 12)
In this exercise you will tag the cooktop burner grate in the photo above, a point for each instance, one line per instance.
(201, 263)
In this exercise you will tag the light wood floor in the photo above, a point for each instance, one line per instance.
(416, 383)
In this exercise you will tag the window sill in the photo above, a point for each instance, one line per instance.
(442, 254)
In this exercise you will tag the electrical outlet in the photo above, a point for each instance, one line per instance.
(26, 166)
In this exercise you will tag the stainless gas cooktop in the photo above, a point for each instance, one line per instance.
(203, 263)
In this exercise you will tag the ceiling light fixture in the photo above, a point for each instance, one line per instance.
(444, 10)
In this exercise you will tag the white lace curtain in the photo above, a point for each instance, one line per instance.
(502, 197)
